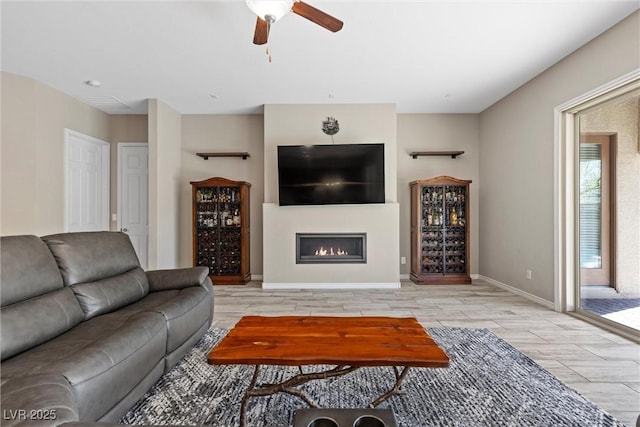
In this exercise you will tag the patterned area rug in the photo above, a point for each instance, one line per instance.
(489, 383)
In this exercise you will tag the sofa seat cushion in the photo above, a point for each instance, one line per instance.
(184, 310)
(102, 358)
(38, 399)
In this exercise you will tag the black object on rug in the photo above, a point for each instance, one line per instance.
(489, 383)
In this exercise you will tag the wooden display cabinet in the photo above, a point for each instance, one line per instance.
(440, 231)
(221, 229)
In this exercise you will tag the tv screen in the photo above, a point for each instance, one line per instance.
(330, 174)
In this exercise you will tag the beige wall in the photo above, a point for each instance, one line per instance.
(165, 133)
(415, 132)
(207, 133)
(516, 160)
(379, 222)
(434, 132)
(302, 125)
(34, 117)
(124, 128)
(513, 208)
(620, 117)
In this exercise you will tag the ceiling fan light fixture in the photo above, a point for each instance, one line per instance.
(270, 10)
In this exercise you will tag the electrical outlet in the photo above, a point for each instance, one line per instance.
(403, 260)
(114, 217)
(528, 274)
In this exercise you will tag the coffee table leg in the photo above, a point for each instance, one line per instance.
(287, 386)
(247, 396)
(394, 390)
(396, 371)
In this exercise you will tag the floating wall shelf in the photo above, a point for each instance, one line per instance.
(453, 154)
(206, 156)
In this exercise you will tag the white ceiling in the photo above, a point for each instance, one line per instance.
(425, 56)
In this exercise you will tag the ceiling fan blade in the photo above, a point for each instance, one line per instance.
(315, 15)
(261, 34)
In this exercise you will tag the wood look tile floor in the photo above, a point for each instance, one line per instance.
(602, 366)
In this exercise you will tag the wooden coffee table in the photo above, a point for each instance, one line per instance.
(349, 343)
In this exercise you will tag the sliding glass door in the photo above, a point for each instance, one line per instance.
(608, 211)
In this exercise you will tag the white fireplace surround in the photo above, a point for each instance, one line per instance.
(379, 221)
(288, 124)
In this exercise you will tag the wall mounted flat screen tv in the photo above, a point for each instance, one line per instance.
(331, 174)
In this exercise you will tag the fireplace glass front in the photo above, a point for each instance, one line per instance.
(321, 248)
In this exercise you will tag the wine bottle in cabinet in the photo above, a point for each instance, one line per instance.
(440, 231)
(221, 232)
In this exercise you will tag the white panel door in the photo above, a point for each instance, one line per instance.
(86, 183)
(133, 185)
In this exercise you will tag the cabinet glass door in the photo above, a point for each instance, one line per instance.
(433, 237)
(455, 231)
(230, 231)
(207, 219)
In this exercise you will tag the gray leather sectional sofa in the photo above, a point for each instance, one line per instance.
(85, 332)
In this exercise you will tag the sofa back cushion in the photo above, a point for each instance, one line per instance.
(102, 269)
(35, 305)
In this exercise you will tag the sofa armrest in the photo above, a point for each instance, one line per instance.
(178, 278)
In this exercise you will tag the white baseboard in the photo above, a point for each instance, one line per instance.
(394, 285)
(391, 285)
(517, 291)
(408, 276)
(258, 277)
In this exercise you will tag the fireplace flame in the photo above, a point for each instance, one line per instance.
(330, 252)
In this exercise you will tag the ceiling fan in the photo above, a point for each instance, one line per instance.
(269, 11)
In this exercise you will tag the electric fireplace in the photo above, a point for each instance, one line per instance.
(331, 248)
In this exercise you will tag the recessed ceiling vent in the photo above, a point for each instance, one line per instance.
(108, 104)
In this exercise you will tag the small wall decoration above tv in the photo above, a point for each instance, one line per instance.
(331, 174)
